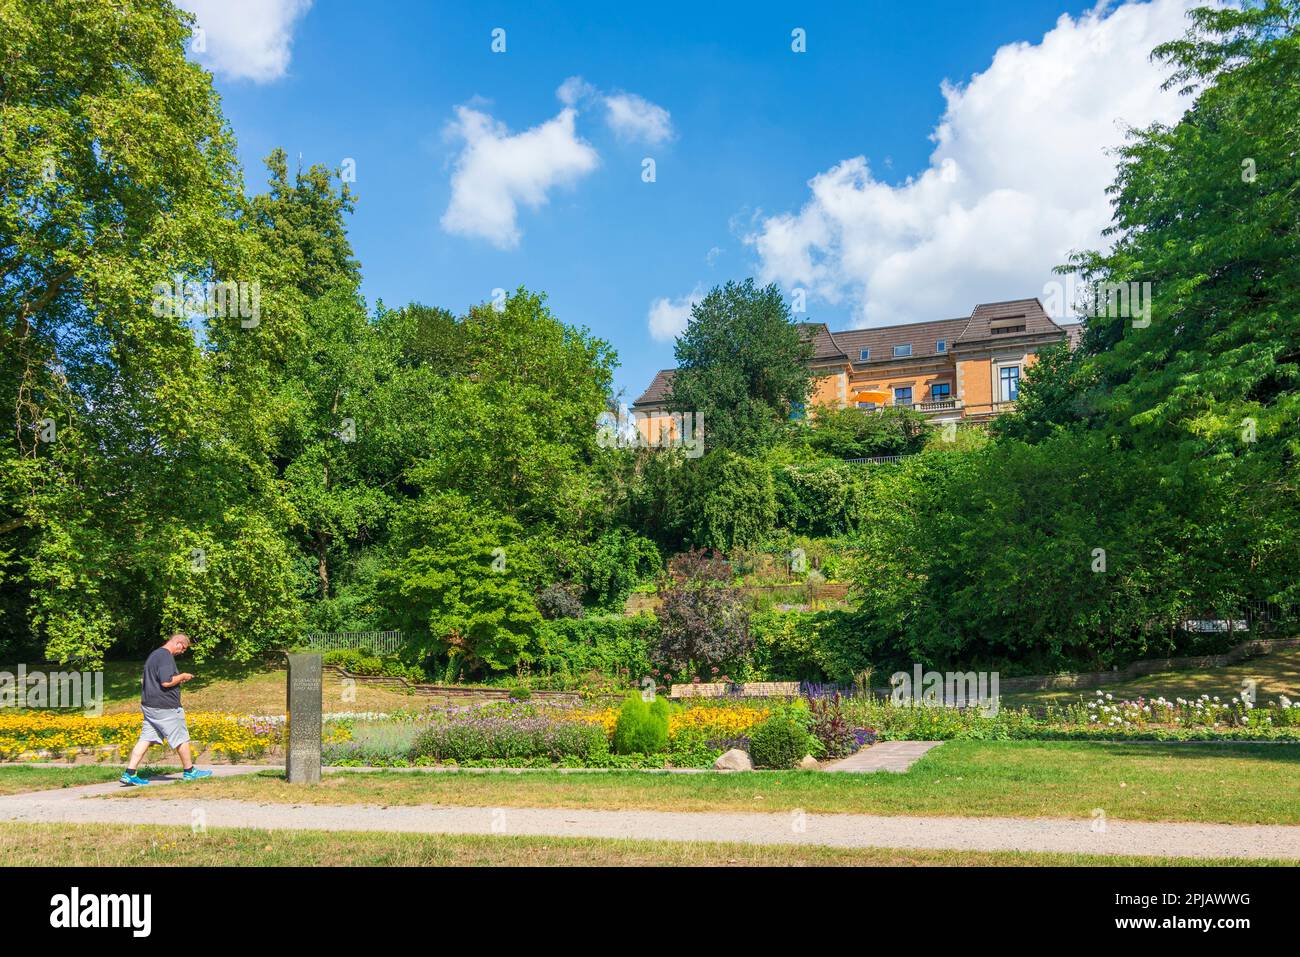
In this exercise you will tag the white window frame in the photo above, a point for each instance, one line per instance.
(1004, 379)
(903, 355)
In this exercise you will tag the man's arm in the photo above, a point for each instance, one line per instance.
(179, 679)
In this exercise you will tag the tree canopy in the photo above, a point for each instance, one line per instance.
(741, 364)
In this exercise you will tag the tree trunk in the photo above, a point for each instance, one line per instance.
(322, 566)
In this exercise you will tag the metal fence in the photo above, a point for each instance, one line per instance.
(877, 459)
(380, 642)
(1251, 616)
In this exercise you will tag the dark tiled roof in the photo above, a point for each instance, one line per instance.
(881, 340)
(658, 388)
(1036, 319)
(847, 346)
(1073, 332)
(825, 343)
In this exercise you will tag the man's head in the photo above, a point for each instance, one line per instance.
(178, 643)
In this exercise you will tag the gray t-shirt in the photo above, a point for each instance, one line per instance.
(160, 666)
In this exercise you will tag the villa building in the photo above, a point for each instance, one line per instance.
(950, 369)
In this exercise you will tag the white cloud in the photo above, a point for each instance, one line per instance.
(636, 119)
(497, 171)
(668, 317)
(630, 117)
(575, 91)
(1015, 182)
(245, 39)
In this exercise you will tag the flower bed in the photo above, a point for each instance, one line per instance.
(535, 734)
(1099, 718)
(525, 734)
(710, 718)
(509, 738)
(53, 734)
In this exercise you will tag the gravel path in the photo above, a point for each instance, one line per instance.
(80, 805)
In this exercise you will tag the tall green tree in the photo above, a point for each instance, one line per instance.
(303, 223)
(741, 364)
(459, 585)
(1207, 212)
(515, 425)
(133, 423)
(326, 390)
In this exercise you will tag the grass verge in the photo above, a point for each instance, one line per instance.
(1274, 675)
(122, 845)
(21, 778)
(1230, 784)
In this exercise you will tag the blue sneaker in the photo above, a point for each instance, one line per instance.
(193, 774)
(133, 779)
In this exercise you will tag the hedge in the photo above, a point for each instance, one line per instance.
(811, 646)
(616, 646)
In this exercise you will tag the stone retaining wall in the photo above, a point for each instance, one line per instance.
(1092, 679)
(458, 692)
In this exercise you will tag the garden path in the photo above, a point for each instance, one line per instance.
(70, 805)
(896, 756)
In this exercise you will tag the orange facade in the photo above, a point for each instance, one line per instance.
(954, 369)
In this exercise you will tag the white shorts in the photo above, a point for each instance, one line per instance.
(164, 724)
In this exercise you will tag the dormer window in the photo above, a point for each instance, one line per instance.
(1007, 326)
(941, 346)
(903, 351)
(864, 355)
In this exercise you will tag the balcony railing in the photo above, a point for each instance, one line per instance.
(939, 405)
(934, 405)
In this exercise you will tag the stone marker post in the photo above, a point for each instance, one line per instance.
(304, 712)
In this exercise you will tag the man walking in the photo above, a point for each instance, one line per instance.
(164, 718)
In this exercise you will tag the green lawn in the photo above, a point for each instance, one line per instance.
(1275, 674)
(16, 779)
(119, 845)
(248, 688)
(1236, 784)
(259, 688)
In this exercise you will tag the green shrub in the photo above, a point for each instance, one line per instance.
(373, 744)
(853, 433)
(812, 646)
(820, 499)
(641, 728)
(357, 661)
(613, 645)
(732, 502)
(613, 565)
(511, 740)
(690, 748)
(780, 741)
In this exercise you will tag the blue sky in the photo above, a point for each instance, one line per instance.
(738, 124)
